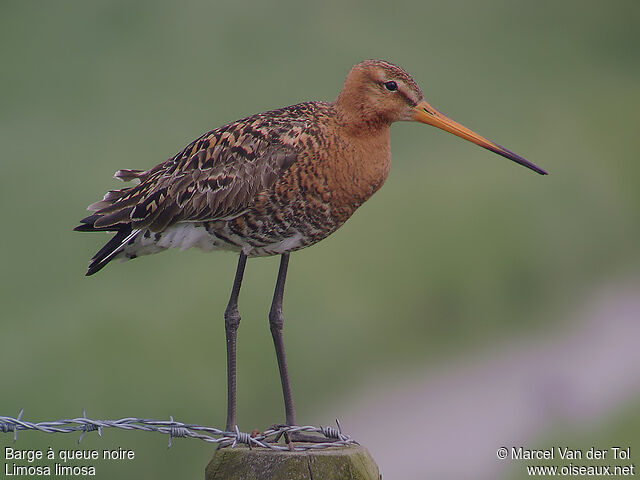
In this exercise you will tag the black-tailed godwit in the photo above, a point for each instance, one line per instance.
(270, 184)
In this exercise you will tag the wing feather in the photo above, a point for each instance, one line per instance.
(217, 176)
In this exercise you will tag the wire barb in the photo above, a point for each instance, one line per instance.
(330, 432)
(242, 437)
(176, 431)
(88, 427)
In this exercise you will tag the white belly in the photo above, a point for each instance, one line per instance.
(188, 235)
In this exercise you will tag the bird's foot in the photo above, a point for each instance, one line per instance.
(300, 437)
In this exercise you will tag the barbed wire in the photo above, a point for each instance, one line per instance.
(297, 438)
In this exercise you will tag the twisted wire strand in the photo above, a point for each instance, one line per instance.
(334, 437)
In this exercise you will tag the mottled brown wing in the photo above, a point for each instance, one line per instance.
(216, 176)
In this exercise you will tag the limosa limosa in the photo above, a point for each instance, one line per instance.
(270, 184)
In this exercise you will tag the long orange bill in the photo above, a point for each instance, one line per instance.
(425, 113)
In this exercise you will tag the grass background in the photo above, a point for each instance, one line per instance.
(460, 246)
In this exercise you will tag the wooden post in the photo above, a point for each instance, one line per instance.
(335, 463)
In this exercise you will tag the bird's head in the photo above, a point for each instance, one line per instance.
(378, 93)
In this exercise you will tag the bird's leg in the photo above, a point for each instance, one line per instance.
(231, 322)
(276, 320)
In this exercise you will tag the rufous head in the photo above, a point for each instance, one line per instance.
(377, 93)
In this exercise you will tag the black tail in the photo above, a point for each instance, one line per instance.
(123, 235)
(86, 225)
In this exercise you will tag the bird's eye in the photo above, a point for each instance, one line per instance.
(391, 86)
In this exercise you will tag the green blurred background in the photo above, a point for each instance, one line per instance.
(461, 251)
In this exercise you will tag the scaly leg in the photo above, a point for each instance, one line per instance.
(276, 320)
(231, 322)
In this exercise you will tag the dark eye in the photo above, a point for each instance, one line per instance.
(391, 86)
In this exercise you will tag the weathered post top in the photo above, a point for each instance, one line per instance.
(335, 463)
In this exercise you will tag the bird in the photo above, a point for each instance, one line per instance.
(270, 184)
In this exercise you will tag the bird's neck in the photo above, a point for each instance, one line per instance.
(362, 163)
(358, 117)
